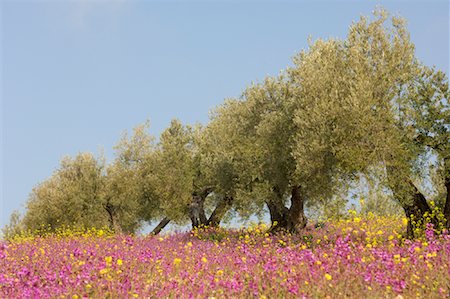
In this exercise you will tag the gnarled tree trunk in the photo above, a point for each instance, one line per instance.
(278, 215)
(222, 207)
(196, 208)
(415, 211)
(410, 198)
(297, 219)
(112, 218)
(447, 204)
(291, 219)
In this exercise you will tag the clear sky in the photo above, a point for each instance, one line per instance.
(75, 75)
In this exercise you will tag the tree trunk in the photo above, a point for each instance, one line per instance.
(222, 207)
(112, 221)
(442, 151)
(415, 212)
(297, 219)
(410, 198)
(196, 208)
(278, 215)
(162, 224)
(447, 204)
(282, 218)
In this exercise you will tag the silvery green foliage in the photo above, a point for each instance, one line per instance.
(359, 106)
(71, 196)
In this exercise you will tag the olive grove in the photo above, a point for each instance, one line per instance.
(359, 107)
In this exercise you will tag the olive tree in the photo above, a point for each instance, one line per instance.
(428, 100)
(71, 196)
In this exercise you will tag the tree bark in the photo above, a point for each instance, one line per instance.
(292, 219)
(415, 211)
(162, 224)
(278, 212)
(222, 207)
(196, 208)
(113, 223)
(297, 219)
(278, 215)
(410, 198)
(447, 204)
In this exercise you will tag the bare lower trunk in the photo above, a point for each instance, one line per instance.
(196, 208)
(297, 218)
(410, 198)
(278, 215)
(195, 211)
(161, 225)
(222, 207)
(447, 204)
(292, 219)
(414, 213)
(112, 219)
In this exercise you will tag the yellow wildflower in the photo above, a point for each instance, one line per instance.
(103, 271)
(176, 261)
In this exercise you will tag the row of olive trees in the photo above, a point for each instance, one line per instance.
(363, 106)
(359, 107)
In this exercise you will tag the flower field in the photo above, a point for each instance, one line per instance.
(358, 258)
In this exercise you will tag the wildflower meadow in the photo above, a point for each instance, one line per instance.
(356, 115)
(360, 257)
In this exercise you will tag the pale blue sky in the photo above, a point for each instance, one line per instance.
(74, 75)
